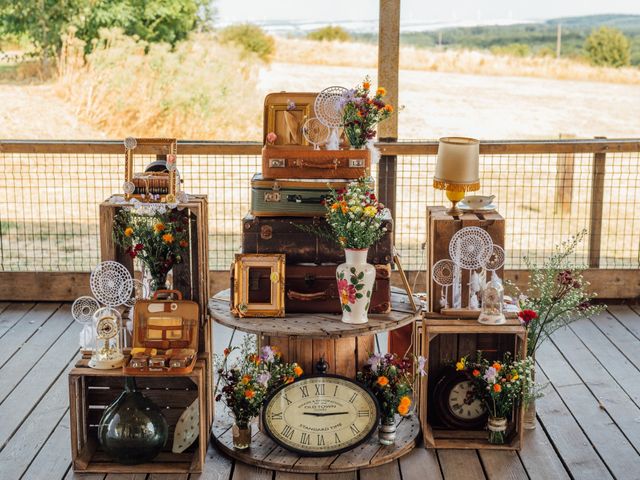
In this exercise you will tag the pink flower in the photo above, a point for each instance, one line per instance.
(271, 137)
(347, 292)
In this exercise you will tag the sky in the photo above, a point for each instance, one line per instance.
(416, 11)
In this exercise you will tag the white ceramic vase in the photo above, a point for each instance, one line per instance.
(355, 282)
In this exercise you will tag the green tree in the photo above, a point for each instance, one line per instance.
(608, 47)
(44, 22)
(330, 33)
(251, 38)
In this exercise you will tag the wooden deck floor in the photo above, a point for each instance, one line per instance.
(589, 420)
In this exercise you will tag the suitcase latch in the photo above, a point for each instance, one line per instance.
(277, 163)
(356, 163)
(266, 232)
(271, 197)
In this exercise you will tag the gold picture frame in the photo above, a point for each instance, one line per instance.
(287, 121)
(250, 272)
(162, 146)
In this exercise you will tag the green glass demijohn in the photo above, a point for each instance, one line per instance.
(132, 429)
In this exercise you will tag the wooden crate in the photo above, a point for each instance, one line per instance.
(90, 391)
(444, 340)
(440, 228)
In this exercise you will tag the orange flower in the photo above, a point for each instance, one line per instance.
(184, 243)
(366, 85)
(476, 372)
(497, 388)
(298, 370)
(167, 238)
(381, 91)
(405, 401)
(382, 381)
(403, 409)
(249, 394)
(335, 206)
(497, 366)
(388, 108)
(128, 232)
(227, 351)
(289, 380)
(246, 379)
(342, 240)
(276, 351)
(253, 358)
(158, 227)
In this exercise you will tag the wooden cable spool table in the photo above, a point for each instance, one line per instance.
(304, 338)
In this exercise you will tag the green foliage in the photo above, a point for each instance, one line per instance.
(513, 50)
(330, 33)
(45, 22)
(251, 38)
(608, 47)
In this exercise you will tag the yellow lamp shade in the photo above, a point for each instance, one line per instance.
(457, 169)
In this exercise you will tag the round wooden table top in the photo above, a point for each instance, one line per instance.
(314, 325)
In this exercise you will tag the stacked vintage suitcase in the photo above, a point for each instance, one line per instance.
(289, 193)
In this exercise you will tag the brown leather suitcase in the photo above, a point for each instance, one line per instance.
(280, 235)
(305, 162)
(313, 289)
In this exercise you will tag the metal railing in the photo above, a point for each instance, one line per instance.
(546, 190)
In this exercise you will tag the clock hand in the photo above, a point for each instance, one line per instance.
(325, 414)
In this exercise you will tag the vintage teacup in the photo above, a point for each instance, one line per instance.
(478, 201)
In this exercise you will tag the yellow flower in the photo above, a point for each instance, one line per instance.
(356, 209)
(461, 364)
(246, 379)
(167, 238)
(403, 409)
(370, 211)
(158, 227)
(515, 377)
(342, 240)
(128, 232)
(381, 91)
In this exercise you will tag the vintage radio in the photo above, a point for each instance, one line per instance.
(165, 336)
(285, 197)
(159, 181)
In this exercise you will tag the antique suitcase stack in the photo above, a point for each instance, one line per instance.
(289, 194)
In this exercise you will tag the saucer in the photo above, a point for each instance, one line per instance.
(467, 208)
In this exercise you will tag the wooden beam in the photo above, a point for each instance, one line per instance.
(389, 62)
(67, 286)
(597, 204)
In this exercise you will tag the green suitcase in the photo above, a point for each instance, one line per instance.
(291, 198)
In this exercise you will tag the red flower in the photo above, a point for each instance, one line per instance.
(139, 247)
(347, 292)
(526, 316)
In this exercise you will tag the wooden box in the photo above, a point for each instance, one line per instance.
(90, 391)
(445, 340)
(440, 229)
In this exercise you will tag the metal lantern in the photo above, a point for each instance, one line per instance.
(492, 303)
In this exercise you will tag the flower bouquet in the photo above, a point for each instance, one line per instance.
(500, 385)
(390, 378)
(362, 111)
(159, 241)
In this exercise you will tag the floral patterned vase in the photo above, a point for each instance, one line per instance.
(355, 282)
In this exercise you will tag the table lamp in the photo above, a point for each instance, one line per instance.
(457, 169)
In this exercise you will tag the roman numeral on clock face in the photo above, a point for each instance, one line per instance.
(353, 398)
(335, 391)
(276, 416)
(363, 413)
(336, 439)
(355, 430)
(305, 391)
(319, 389)
(287, 432)
(289, 402)
(320, 440)
(305, 439)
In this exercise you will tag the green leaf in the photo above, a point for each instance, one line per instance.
(359, 295)
(368, 293)
(353, 270)
(361, 275)
(354, 280)
(360, 286)
(347, 308)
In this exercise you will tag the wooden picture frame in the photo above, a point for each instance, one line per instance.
(279, 114)
(165, 181)
(250, 280)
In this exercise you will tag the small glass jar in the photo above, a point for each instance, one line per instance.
(497, 427)
(241, 436)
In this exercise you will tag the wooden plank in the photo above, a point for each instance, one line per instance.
(460, 464)
(168, 476)
(388, 471)
(35, 434)
(294, 476)
(71, 475)
(420, 464)
(243, 471)
(216, 467)
(630, 319)
(389, 62)
(539, 457)
(338, 476)
(502, 465)
(126, 476)
(14, 312)
(597, 204)
(567, 437)
(609, 395)
(38, 345)
(44, 286)
(16, 337)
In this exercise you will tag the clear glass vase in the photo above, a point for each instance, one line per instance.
(241, 436)
(529, 422)
(387, 430)
(497, 427)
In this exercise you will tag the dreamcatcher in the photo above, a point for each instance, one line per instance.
(469, 249)
(442, 274)
(316, 132)
(328, 107)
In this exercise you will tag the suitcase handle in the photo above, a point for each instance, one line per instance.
(177, 293)
(322, 164)
(300, 199)
(307, 297)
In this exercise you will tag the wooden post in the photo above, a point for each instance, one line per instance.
(597, 198)
(559, 41)
(564, 180)
(388, 66)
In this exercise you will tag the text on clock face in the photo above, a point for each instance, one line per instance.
(463, 403)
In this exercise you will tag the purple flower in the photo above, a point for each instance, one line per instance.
(263, 378)
(490, 375)
(374, 362)
(268, 355)
(291, 105)
(422, 363)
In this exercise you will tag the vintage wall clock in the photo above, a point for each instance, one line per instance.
(453, 403)
(320, 415)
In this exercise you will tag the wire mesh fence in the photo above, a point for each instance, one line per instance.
(49, 204)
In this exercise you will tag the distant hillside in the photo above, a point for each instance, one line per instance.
(526, 38)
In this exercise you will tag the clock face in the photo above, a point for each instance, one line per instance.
(320, 415)
(462, 403)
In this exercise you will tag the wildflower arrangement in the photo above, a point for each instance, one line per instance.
(390, 378)
(556, 295)
(362, 111)
(500, 385)
(273, 371)
(159, 240)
